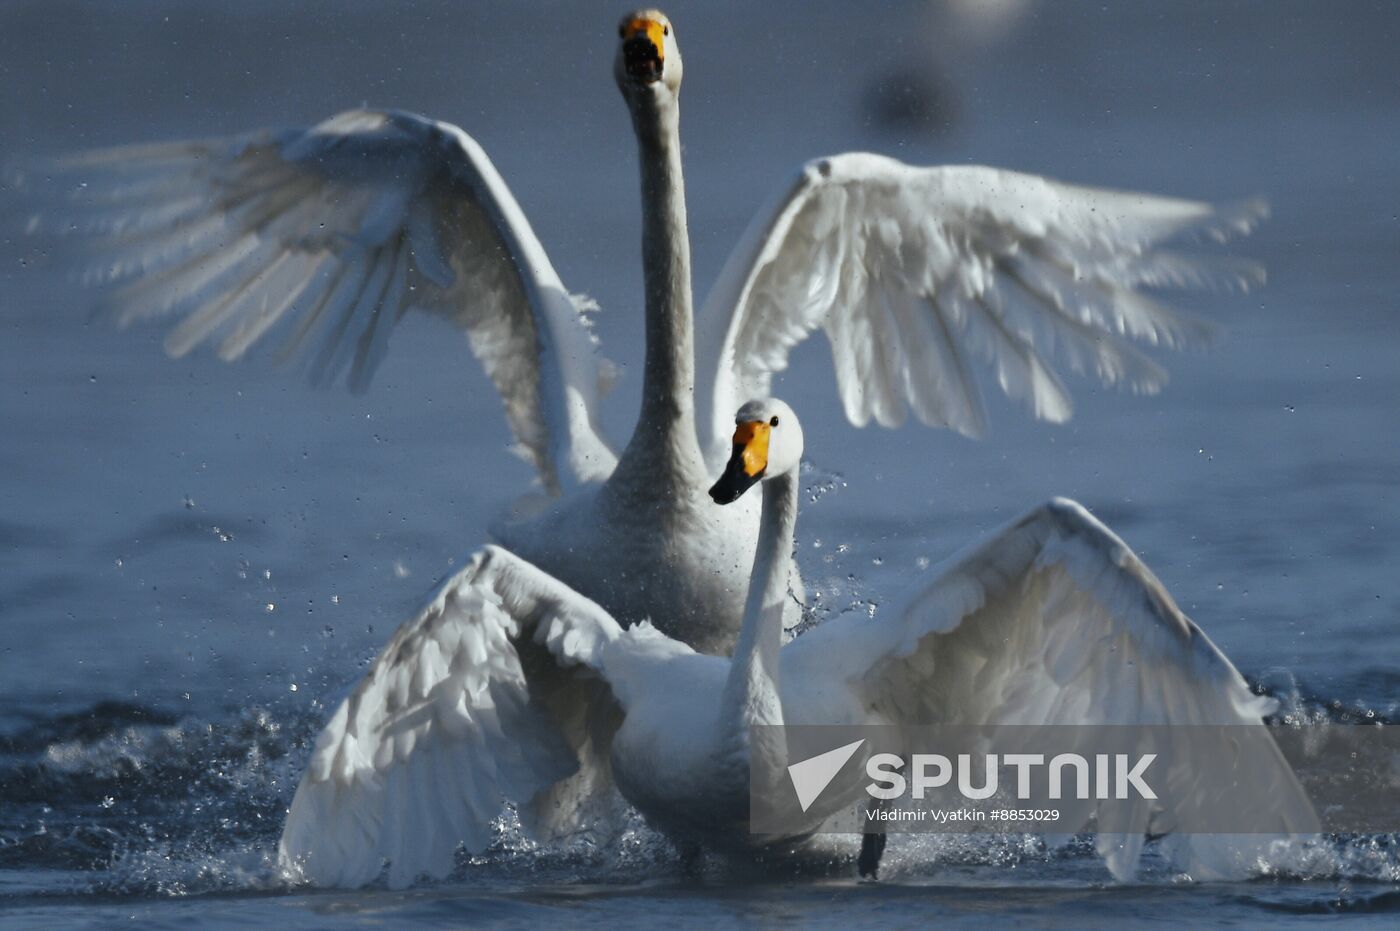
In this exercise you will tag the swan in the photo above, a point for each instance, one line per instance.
(333, 233)
(1052, 619)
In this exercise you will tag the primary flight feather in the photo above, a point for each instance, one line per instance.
(922, 279)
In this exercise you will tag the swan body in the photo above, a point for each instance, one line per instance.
(1051, 620)
(330, 235)
(669, 548)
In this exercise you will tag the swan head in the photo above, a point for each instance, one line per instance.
(767, 444)
(648, 61)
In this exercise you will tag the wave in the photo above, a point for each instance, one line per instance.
(123, 799)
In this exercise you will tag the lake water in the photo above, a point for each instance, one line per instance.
(195, 557)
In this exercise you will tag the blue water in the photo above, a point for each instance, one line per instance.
(194, 557)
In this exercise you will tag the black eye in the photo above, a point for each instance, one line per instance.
(774, 421)
(622, 32)
(665, 30)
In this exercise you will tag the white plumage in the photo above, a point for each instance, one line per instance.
(1051, 620)
(331, 234)
(513, 686)
(914, 274)
(341, 229)
(442, 732)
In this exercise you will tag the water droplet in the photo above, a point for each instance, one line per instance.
(270, 607)
(293, 686)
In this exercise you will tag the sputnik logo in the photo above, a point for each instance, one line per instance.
(812, 775)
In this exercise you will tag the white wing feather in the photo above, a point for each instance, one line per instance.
(914, 273)
(1054, 620)
(487, 697)
(340, 229)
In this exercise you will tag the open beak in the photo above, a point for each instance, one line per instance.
(747, 463)
(643, 50)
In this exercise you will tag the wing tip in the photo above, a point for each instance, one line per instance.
(1234, 218)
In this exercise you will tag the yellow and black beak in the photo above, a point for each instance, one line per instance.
(747, 463)
(643, 48)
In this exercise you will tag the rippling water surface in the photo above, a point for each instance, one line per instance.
(196, 558)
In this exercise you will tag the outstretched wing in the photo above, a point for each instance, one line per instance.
(337, 231)
(487, 697)
(1054, 620)
(915, 273)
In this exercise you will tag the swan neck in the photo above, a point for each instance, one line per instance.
(668, 379)
(752, 691)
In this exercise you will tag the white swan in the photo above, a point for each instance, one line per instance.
(336, 231)
(1050, 620)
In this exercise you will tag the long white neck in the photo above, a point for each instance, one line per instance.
(666, 426)
(751, 693)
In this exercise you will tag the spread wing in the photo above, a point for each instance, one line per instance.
(487, 697)
(916, 274)
(1054, 620)
(334, 233)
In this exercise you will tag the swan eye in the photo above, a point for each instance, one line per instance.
(665, 30)
(774, 421)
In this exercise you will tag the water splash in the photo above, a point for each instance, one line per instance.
(127, 800)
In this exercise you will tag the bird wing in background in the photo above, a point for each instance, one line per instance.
(336, 232)
(915, 274)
